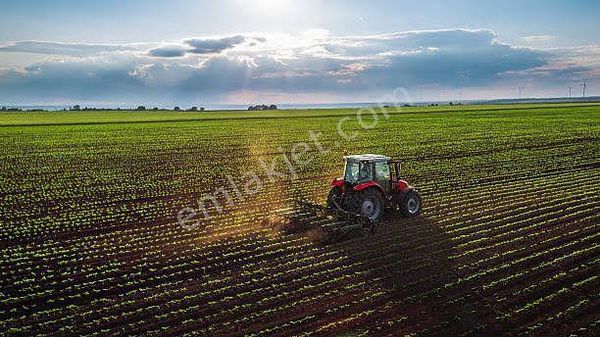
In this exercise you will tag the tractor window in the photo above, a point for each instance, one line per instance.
(351, 172)
(382, 171)
(356, 171)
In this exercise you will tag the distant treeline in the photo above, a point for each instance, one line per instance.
(79, 108)
(192, 109)
(260, 107)
(9, 109)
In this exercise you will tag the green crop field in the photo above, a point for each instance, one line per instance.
(508, 241)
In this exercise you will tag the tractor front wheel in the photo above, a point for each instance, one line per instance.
(410, 204)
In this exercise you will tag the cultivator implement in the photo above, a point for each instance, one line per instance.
(332, 224)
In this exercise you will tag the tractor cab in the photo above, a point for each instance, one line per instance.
(367, 168)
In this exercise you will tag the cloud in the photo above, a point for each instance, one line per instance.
(448, 58)
(66, 49)
(53, 81)
(167, 51)
(317, 63)
(205, 46)
(213, 46)
(564, 64)
(539, 38)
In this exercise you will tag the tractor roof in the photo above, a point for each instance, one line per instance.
(367, 157)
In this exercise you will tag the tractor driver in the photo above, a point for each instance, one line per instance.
(365, 171)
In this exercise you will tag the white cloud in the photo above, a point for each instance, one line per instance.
(67, 49)
(539, 38)
(313, 62)
(168, 51)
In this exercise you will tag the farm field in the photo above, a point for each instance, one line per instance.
(508, 242)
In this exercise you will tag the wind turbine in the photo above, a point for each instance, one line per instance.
(570, 90)
(584, 85)
(521, 89)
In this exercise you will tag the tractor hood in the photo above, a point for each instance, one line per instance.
(337, 182)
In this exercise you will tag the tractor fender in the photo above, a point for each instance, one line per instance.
(401, 186)
(337, 182)
(369, 184)
(404, 192)
(400, 195)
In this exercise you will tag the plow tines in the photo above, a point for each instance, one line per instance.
(331, 224)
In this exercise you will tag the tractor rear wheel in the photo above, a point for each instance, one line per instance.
(410, 204)
(368, 203)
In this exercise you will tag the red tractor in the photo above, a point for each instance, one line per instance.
(372, 184)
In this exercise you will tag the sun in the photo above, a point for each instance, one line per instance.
(271, 6)
(267, 9)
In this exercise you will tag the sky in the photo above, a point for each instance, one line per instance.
(184, 52)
